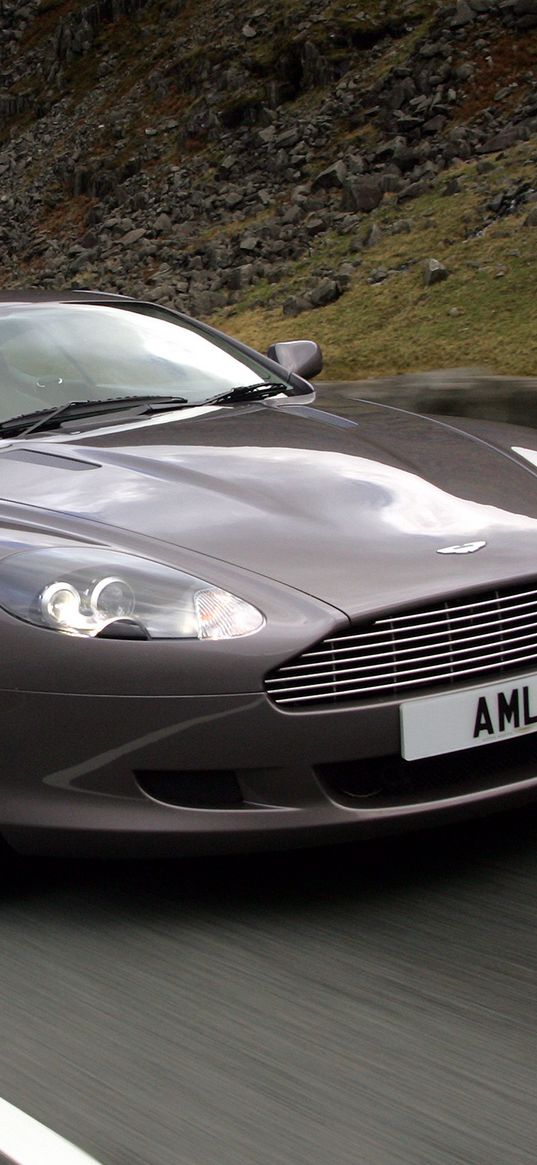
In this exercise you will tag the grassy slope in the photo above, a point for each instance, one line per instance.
(484, 314)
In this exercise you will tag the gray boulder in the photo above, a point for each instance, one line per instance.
(435, 272)
(326, 292)
(502, 140)
(464, 14)
(363, 193)
(330, 178)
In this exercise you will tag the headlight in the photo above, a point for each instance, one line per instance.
(85, 591)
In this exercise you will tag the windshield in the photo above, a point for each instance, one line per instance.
(54, 353)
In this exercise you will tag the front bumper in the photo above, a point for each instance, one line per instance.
(80, 771)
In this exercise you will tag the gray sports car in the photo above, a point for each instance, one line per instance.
(229, 619)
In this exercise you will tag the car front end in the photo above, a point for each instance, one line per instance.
(231, 621)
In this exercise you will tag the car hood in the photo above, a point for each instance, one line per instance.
(351, 512)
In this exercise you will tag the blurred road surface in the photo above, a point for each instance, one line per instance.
(459, 392)
(371, 1004)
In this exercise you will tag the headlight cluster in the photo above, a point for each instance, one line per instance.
(91, 592)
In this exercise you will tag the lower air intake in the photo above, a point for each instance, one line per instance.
(192, 789)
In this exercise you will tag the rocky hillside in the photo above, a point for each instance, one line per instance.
(193, 151)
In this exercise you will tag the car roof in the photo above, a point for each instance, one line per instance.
(36, 295)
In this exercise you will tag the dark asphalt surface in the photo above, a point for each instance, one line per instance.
(367, 1004)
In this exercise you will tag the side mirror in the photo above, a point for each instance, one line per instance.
(304, 357)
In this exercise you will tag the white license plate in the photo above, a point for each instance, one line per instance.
(434, 725)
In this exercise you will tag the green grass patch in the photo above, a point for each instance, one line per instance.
(483, 314)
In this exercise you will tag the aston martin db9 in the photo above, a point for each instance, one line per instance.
(231, 620)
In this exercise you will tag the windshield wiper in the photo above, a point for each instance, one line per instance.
(27, 423)
(43, 419)
(258, 391)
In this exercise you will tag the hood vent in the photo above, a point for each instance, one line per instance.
(49, 460)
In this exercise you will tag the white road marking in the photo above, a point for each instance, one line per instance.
(24, 1141)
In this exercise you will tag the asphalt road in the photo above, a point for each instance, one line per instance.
(370, 1004)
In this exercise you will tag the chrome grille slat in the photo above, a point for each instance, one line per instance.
(349, 658)
(461, 607)
(491, 636)
(381, 688)
(400, 679)
(439, 623)
(490, 656)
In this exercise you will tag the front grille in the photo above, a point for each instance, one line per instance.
(488, 635)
